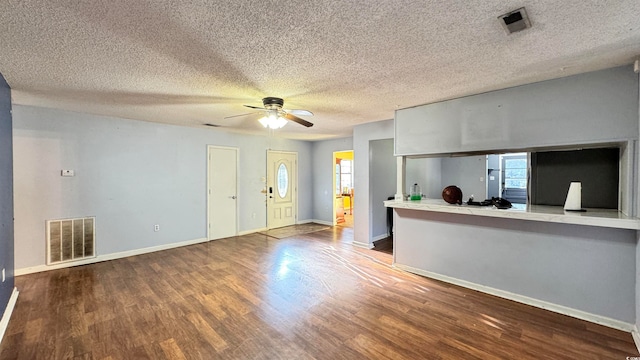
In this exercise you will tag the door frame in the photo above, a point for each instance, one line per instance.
(517, 155)
(335, 182)
(333, 189)
(208, 185)
(294, 185)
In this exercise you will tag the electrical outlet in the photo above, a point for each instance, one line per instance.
(156, 227)
(2, 275)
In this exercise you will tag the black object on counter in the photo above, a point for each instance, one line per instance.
(500, 203)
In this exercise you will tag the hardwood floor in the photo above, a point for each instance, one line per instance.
(384, 245)
(304, 297)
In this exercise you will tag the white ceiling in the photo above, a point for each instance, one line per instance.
(190, 62)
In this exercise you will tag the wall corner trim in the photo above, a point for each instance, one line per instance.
(359, 244)
(4, 322)
(636, 337)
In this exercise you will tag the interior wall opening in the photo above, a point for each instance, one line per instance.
(343, 180)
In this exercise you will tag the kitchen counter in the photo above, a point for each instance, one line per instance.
(555, 214)
(582, 264)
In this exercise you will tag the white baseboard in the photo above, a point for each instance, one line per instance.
(4, 322)
(321, 222)
(579, 314)
(247, 232)
(300, 222)
(636, 337)
(359, 244)
(113, 256)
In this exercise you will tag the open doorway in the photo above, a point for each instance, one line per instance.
(507, 177)
(343, 206)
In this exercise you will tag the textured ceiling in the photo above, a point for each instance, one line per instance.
(191, 62)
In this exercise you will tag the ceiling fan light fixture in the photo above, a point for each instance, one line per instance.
(276, 117)
(273, 122)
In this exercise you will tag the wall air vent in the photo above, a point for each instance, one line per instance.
(70, 239)
(515, 21)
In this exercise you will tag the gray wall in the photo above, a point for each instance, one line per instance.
(6, 195)
(465, 172)
(637, 211)
(131, 175)
(587, 268)
(323, 169)
(433, 174)
(637, 277)
(362, 135)
(382, 184)
(596, 107)
(426, 172)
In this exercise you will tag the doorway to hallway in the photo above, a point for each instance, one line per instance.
(343, 206)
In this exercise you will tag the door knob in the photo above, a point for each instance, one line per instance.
(232, 197)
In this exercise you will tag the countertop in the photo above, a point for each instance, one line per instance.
(556, 214)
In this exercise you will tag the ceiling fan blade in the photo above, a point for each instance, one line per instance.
(296, 119)
(233, 116)
(300, 112)
(255, 107)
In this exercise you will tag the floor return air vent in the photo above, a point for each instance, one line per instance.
(70, 239)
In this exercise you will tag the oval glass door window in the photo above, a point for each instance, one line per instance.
(283, 180)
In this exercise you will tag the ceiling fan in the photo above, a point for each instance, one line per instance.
(277, 117)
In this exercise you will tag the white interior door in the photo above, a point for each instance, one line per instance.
(282, 196)
(222, 205)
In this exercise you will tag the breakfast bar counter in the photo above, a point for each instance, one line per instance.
(554, 214)
(577, 263)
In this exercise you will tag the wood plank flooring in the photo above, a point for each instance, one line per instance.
(311, 296)
(385, 245)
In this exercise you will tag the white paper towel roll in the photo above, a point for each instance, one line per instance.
(574, 197)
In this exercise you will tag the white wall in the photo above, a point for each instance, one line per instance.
(362, 135)
(131, 175)
(382, 184)
(323, 169)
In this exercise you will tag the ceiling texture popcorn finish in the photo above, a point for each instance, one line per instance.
(349, 62)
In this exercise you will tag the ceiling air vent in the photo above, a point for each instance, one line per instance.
(515, 21)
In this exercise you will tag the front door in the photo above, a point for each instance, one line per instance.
(222, 168)
(282, 186)
(514, 178)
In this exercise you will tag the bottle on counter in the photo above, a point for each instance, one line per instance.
(416, 193)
